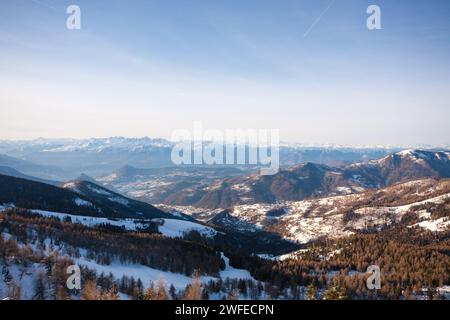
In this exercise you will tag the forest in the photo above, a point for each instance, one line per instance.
(413, 263)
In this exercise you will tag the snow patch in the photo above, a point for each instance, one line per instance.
(128, 224)
(80, 202)
(437, 225)
(233, 273)
(178, 228)
(98, 190)
(146, 274)
(120, 200)
(5, 206)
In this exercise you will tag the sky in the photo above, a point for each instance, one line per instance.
(310, 68)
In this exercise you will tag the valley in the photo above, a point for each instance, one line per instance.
(308, 232)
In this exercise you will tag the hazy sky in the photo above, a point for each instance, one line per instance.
(310, 68)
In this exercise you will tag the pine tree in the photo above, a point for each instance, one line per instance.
(173, 292)
(39, 287)
(205, 294)
(140, 290)
(7, 278)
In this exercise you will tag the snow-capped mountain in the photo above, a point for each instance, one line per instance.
(405, 165)
(315, 180)
(63, 159)
(91, 156)
(86, 145)
(419, 204)
(84, 223)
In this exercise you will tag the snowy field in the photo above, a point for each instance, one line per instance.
(127, 224)
(177, 228)
(26, 276)
(147, 274)
(169, 227)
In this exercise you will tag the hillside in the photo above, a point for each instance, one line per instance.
(314, 180)
(425, 203)
(8, 171)
(85, 198)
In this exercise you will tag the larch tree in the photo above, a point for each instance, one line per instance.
(194, 290)
(161, 293)
(90, 291)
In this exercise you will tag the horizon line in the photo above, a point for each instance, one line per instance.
(287, 144)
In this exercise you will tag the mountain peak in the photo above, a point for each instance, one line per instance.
(85, 177)
(424, 154)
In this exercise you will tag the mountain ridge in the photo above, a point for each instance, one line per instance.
(422, 203)
(316, 180)
(30, 194)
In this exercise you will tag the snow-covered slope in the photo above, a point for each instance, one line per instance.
(179, 228)
(436, 225)
(168, 227)
(127, 224)
(25, 276)
(337, 216)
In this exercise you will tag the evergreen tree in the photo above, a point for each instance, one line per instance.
(173, 292)
(205, 294)
(7, 278)
(39, 287)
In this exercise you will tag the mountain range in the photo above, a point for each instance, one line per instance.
(64, 159)
(8, 171)
(315, 180)
(310, 224)
(422, 203)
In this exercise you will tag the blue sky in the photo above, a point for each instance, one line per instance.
(146, 68)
